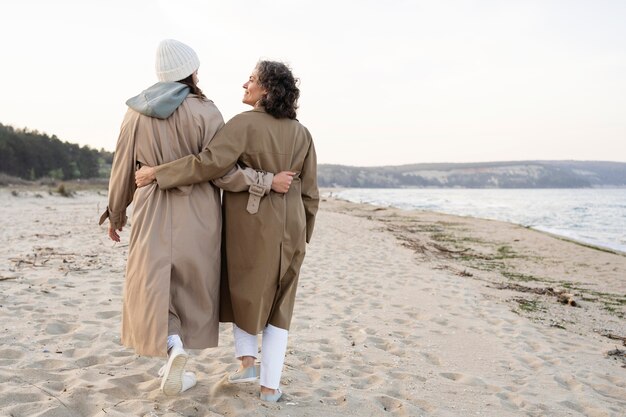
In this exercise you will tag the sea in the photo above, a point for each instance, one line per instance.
(595, 216)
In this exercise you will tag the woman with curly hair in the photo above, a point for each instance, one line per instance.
(172, 279)
(264, 239)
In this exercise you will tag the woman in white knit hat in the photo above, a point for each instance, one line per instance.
(266, 243)
(171, 290)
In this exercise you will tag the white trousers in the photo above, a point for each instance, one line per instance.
(273, 349)
(174, 340)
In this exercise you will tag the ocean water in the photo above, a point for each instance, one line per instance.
(595, 216)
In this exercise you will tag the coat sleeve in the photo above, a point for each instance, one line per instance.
(122, 181)
(241, 178)
(217, 159)
(310, 191)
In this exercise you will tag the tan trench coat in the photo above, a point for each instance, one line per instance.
(174, 250)
(264, 251)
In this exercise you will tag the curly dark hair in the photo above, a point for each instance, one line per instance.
(281, 100)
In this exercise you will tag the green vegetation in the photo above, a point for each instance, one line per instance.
(442, 237)
(529, 306)
(514, 276)
(505, 252)
(31, 155)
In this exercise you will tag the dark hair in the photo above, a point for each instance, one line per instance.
(282, 95)
(194, 88)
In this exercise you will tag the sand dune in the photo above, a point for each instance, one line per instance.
(398, 313)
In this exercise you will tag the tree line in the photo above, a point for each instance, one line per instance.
(31, 155)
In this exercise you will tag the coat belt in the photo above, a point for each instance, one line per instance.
(256, 191)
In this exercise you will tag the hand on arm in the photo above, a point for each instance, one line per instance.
(240, 179)
(144, 176)
(282, 181)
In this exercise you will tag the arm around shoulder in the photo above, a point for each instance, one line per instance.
(241, 178)
(217, 159)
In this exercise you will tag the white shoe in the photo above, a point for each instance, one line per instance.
(245, 375)
(271, 398)
(189, 381)
(173, 372)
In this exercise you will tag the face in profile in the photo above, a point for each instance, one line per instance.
(253, 92)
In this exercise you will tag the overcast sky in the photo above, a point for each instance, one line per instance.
(382, 82)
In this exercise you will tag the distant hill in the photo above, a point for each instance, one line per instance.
(31, 155)
(518, 174)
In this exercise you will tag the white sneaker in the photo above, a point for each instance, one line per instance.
(271, 398)
(189, 381)
(174, 371)
(245, 375)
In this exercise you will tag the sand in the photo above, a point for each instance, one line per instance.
(398, 313)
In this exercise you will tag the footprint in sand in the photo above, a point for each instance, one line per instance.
(335, 397)
(57, 328)
(122, 354)
(511, 401)
(314, 376)
(336, 357)
(315, 363)
(11, 354)
(88, 361)
(464, 379)
(451, 376)
(551, 360)
(21, 398)
(414, 315)
(107, 314)
(49, 364)
(440, 321)
(128, 386)
(83, 337)
(576, 407)
(368, 382)
(568, 382)
(391, 347)
(431, 358)
(397, 407)
(531, 362)
(404, 376)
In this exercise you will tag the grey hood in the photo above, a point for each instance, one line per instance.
(160, 100)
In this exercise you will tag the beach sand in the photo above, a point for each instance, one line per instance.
(398, 313)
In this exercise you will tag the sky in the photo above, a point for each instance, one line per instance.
(382, 82)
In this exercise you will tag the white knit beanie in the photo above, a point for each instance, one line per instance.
(175, 61)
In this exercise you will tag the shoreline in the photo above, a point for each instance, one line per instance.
(593, 244)
(101, 185)
(597, 247)
(398, 313)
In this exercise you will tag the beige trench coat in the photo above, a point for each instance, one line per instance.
(174, 251)
(264, 251)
